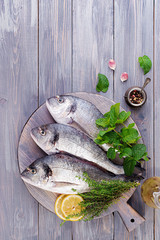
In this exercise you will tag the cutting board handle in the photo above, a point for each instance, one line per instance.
(129, 216)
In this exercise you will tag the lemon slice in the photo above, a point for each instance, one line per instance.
(70, 206)
(57, 206)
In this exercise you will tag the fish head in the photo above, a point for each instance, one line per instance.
(62, 108)
(37, 174)
(46, 137)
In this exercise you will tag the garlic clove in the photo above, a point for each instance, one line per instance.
(112, 64)
(124, 76)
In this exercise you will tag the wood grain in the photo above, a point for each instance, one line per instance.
(54, 78)
(18, 94)
(156, 108)
(92, 48)
(76, 38)
(133, 38)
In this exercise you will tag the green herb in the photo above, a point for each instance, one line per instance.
(145, 63)
(102, 84)
(101, 196)
(124, 141)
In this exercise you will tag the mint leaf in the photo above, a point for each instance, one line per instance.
(119, 121)
(117, 143)
(127, 152)
(102, 139)
(110, 129)
(109, 137)
(102, 133)
(131, 125)
(145, 63)
(137, 139)
(138, 151)
(145, 158)
(102, 84)
(116, 108)
(127, 116)
(107, 115)
(99, 141)
(129, 165)
(111, 153)
(114, 112)
(129, 135)
(112, 137)
(124, 115)
(102, 122)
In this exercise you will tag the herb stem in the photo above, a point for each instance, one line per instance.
(121, 136)
(129, 144)
(117, 133)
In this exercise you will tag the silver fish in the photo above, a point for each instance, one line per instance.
(60, 173)
(74, 111)
(54, 138)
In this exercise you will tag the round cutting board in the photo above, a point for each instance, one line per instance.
(28, 152)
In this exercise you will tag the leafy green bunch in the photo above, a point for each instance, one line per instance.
(102, 195)
(124, 141)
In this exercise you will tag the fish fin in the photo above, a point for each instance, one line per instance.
(69, 120)
(62, 184)
(59, 187)
(51, 151)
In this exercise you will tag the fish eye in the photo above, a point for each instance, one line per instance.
(60, 100)
(33, 171)
(42, 132)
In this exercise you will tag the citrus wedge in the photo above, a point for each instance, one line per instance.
(57, 206)
(70, 206)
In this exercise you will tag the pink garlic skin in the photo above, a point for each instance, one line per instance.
(112, 64)
(124, 76)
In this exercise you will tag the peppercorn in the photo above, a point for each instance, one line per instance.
(136, 97)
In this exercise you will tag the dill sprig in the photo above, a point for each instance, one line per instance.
(101, 196)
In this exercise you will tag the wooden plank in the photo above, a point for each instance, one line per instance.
(156, 106)
(54, 48)
(134, 38)
(92, 48)
(18, 94)
(54, 78)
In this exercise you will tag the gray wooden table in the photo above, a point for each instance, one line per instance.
(59, 46)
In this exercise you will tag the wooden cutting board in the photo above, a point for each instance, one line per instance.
(28, 152)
